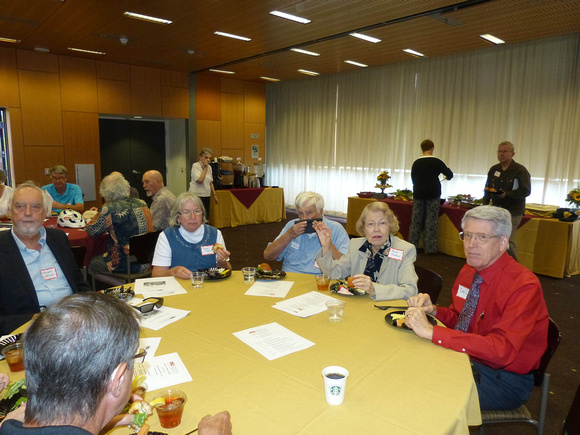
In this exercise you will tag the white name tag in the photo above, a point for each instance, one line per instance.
(462, 292)
(396, 254)
(294, 245)
(49, 273)
(316, 265)
(497, 174)
(207, 250)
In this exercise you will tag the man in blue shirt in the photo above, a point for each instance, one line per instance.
(65, 195)
(297, 247)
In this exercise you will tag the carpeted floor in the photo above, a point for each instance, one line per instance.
(247, 244)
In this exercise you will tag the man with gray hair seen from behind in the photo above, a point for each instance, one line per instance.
(507, 186)
(37, 265)
(79, 360)
(297, 243)
(64, 195)
(163, 199)
(498, 315)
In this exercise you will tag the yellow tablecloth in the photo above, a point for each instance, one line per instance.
(545, 246)
(229, 212)
(398, 382)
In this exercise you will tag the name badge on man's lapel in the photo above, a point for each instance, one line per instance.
(49, 273)
(462, 292)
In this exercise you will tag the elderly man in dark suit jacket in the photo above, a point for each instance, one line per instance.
(38, 267)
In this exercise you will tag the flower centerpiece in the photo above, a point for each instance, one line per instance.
(382, 183)
(573, 197)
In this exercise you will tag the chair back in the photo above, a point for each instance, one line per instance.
(554, 337)
(429, 282)
(79, 252)
(142, 246)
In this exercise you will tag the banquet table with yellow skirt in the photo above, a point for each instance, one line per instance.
(398, 382)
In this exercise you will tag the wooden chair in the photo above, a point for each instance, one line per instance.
(541, 379)
(572, 422)
(141, 249)
(429, 282)
(79, 252)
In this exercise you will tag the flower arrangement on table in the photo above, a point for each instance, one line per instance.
(382, 180)
(573, 197)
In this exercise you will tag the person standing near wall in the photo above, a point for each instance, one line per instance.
(426, 196)
(202, 180)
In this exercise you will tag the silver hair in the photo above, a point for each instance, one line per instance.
(382, 207)
(114, 187)
(206, 151)
(29, 185)
(501, 218)
(509, 144)
(306, 199)
(182, 199)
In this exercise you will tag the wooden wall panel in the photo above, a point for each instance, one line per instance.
(249, 129)
(209, 135)
(38, 158)
(9, 92)
(208, 98)
(174, 102)
(175, 79)
(33, 61)
(78, 84)
(114, 97)
(233, 86)
(41, 108)
(254, 102)
(15, 120)
(232, 121)
(145, 91)
(113, 71)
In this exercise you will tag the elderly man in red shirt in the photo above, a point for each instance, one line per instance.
(498, 315)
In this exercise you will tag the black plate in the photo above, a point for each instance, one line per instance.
(8, 340)
(213, 275)
(390, 321)
(270, 274)
(334, 287)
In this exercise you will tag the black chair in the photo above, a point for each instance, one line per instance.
(572, 422)
(141, 249)
(79, 252)
(429, 282)
(541, 379)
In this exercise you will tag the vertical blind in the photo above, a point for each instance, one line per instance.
(334, 134)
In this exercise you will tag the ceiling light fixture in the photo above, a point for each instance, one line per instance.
(352, 62)
(221, 71)
(147, 18)
(86, 51)
(270, 79)
(229, 35)
(365, 37)
(13, 41)
(413, 52)
(290, 17)
(310, 53)
(41, 49)
(492, 39)
(310, 73)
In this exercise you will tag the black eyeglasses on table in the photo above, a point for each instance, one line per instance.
(146, 307)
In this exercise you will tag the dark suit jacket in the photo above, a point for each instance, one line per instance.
(18, 301)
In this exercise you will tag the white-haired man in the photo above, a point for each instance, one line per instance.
(298, 242)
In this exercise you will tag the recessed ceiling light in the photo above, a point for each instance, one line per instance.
(270, 79)
(290, 17)
(86, 51)
(13, 41)
(365, 37)
(41, 49)
(352, 62)
(137, 117)
(229, 35)
(310, 73)
(299, 50)
(221, 71)
(413, 52)
(147, 18)
(492, 39)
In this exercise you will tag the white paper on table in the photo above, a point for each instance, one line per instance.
(158, 287)
(159, 317)
(163, 371)
(305, 305)
(150, 345)
(273, 289)
(273, 340)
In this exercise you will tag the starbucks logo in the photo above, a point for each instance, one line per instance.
(335, 390)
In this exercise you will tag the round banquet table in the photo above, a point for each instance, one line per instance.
(398, 383)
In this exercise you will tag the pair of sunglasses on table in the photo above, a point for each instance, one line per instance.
(148, 304)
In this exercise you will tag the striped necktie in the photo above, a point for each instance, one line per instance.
(470, 304)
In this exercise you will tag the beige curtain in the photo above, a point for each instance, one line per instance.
(334, 134)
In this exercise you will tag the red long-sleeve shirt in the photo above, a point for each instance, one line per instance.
(510, 326)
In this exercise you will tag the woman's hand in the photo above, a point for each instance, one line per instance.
(364, 282)
(221, 255)
(180, 272)
(324, 235)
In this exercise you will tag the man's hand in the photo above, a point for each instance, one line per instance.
(297, 229)
(17, 414)
(416, 319)
(423, 301)
(219, 424)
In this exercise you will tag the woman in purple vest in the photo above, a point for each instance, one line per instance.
(189, 244)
